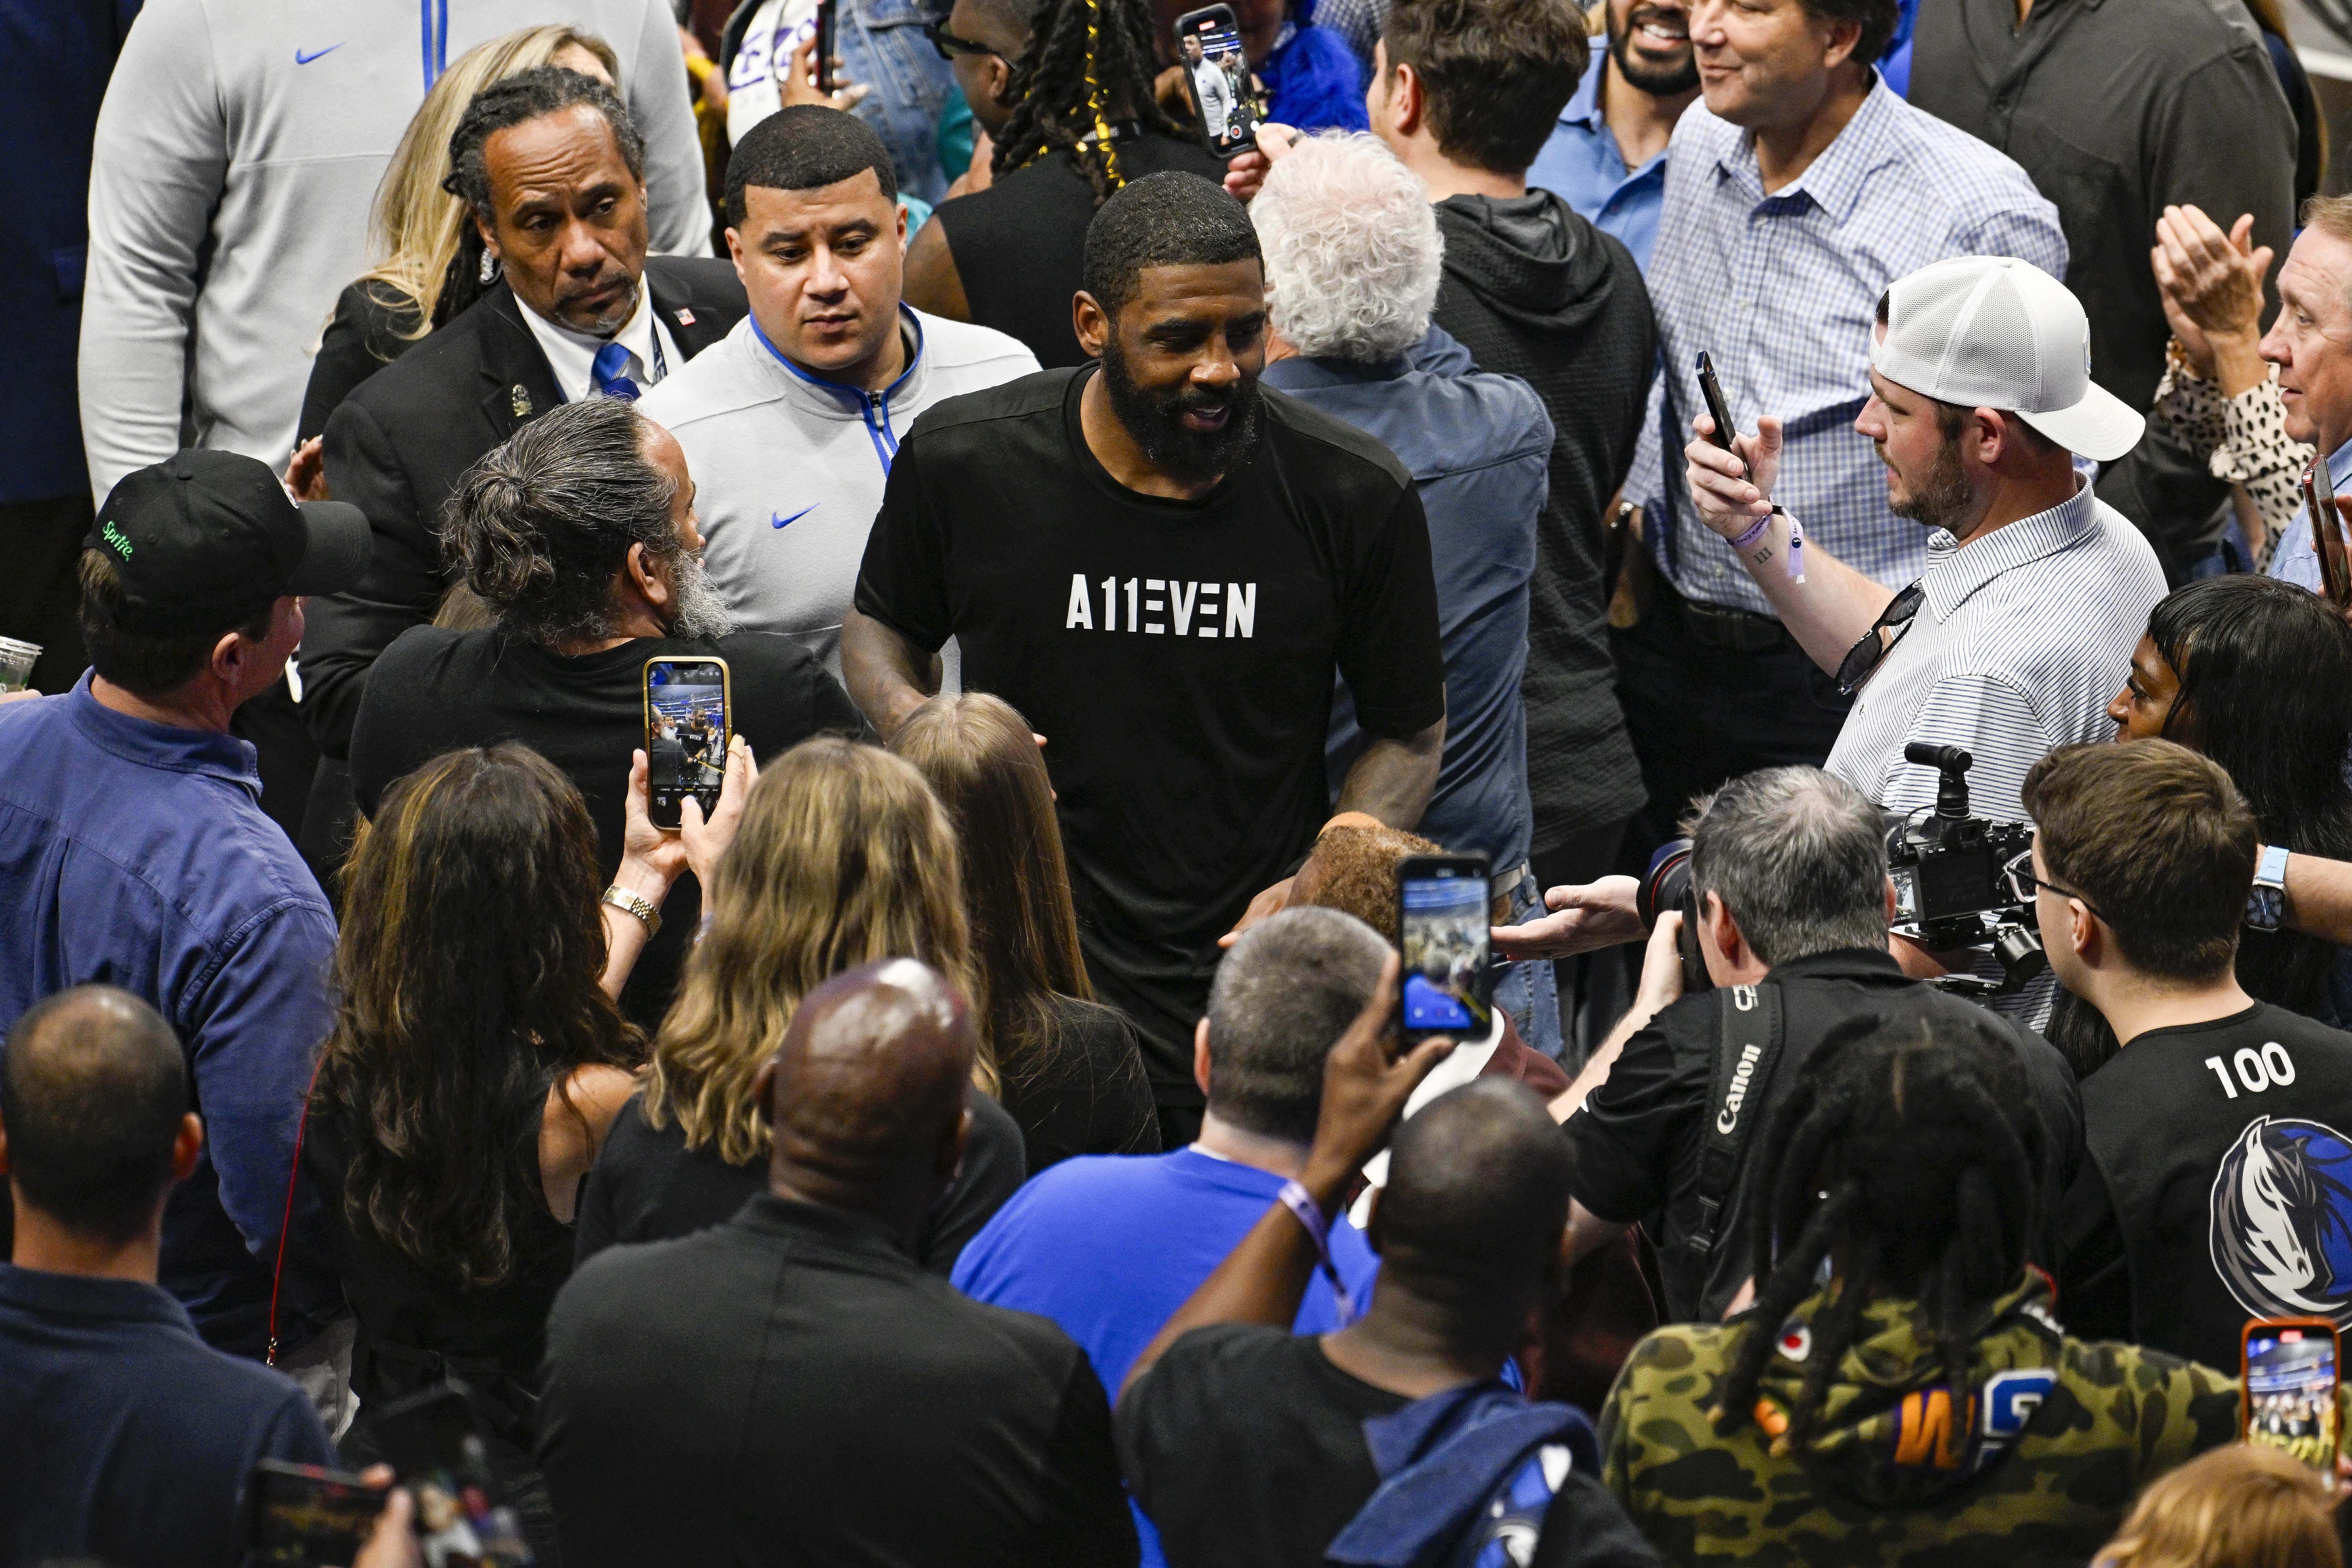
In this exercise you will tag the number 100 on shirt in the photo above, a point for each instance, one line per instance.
(1161, 606)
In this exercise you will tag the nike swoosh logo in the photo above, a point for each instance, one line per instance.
(780, 522)
(302, 60)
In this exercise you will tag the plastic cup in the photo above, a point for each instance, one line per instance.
(17, 661)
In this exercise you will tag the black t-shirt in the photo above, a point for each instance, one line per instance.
(1020, 245)
(2219, 1185)
(647, 1185)
(790, 1388)
(434, 691)
(1086, 1095)
(1177, 656)
(1245, 1447)
(1640, 1136)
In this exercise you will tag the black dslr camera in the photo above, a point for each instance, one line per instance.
(1952, 886)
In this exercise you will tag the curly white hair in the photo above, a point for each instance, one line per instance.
(1351, 248)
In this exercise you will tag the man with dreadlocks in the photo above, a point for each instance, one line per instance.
(1924, 1396)
(1064, 87)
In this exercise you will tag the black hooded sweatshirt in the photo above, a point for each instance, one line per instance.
(1534, 290)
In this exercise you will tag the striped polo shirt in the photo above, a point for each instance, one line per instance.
(2024, 637)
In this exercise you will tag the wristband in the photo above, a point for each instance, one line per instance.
(1796, 542)
(1299, 1202)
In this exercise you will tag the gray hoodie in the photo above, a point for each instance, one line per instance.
(238, 150)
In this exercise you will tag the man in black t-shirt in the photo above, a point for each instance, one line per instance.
(1789, 864)
(790, 1386)
(1162, 565)
(1250, 1445)
(580, 534)
(2219, 1185)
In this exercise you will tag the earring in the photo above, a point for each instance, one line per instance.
(489, 267)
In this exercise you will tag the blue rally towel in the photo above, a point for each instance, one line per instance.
(1440, 1460)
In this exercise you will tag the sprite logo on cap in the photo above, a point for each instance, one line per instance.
(113, 536)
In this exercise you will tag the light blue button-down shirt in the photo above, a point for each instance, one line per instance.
(1582, 165)
(2296, 560)
(1783, 290)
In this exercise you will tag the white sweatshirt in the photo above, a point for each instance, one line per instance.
(238, 150)
(788, 470)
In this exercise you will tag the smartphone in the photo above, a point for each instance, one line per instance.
(689, 720)
(1209, 44)
(301, 1514)
(434, 1442)
(2287, 1396)
(1718, 410)
(828, 42)
(1445, 908)
(2328, 533)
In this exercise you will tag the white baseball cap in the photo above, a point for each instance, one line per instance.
(1993, 331)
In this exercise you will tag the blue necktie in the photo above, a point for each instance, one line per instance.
(610, 361)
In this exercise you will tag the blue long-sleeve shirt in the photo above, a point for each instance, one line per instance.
(137, 854)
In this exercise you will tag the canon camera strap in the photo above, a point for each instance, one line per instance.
(1746, 1049)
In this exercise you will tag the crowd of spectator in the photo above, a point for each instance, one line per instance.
(1824, 508)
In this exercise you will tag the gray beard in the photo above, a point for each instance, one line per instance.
(701, 613)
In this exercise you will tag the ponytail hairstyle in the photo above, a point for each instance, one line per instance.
(1086, 70)
(1907, 1149)
(539, 526)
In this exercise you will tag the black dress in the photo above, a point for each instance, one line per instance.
(367, 332)
(418, 1328)
(1091, 1096)
(1020, 244)
(647, 1185)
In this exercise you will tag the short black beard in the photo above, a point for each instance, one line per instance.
(1155, 421)
(1657, 84)
(1942, 498)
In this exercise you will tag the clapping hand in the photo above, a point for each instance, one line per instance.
(2211, 285)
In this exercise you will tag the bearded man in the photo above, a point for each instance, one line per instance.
(579, 537)
(1163, 565)
(2021, 628)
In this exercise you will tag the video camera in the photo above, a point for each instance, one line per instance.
(1952, 886)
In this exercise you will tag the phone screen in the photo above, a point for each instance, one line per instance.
(685, 735)
(1444, 916)
(2291, 1390)
(436, 1450)
(1210, 43)
(302, 1514)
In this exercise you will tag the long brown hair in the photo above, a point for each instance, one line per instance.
(467, 976)
(979, 754)
(844, 857)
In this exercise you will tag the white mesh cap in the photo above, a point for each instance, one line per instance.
(1993, 331)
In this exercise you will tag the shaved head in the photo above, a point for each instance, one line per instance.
(866, 1097)
(1477, 1194)
(94, 1090)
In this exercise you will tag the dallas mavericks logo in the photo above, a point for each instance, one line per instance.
(2282, 1232)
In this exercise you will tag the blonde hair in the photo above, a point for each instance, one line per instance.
(414, 224)
(2244, 1506)
(845, 856)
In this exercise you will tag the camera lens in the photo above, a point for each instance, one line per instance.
(1666, 884)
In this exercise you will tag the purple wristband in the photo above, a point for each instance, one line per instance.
(1796, 542)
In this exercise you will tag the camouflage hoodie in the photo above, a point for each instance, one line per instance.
(2034, 1461)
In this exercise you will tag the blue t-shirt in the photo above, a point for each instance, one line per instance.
(123, 1438)
(1109, 1245)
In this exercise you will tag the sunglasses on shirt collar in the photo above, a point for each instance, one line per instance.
(1872, 649)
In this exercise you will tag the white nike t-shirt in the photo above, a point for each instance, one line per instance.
(755, 87)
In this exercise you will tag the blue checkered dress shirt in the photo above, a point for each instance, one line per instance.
(1783, 290)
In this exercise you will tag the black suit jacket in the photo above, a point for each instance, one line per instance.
(399, 443)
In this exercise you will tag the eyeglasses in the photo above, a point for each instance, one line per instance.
(1865, 655)
(2023, 884)
(949, 46)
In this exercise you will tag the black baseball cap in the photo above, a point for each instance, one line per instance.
(208, 539)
